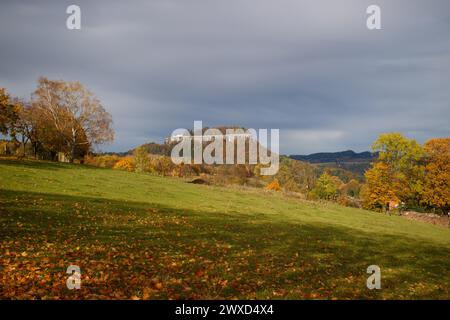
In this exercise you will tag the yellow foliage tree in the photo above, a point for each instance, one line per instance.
(380, 188)
(397, 175)
(436, 190)
(402, 159)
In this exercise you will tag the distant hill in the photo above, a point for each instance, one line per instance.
(155, 148)
(343, 156)
(347, 160)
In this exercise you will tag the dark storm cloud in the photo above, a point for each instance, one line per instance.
(309, 68)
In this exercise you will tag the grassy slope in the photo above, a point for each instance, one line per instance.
(135, 235)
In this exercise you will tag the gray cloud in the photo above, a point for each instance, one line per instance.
(309, 68)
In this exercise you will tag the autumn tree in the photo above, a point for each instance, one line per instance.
(398, 167)
(9, 112)
(350, 188)
(327, 187)
(29, 126)
(77, 116)
(380, 188)
(296, 175)
(436, 190)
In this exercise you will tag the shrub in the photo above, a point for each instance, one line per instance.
(107, 161)
(126, 163)
(347, 201)
(185, 170)
(3, 148)
(162, 165)
(274, 185)
(141, 159)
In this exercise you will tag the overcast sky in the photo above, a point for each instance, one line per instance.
(310, 68)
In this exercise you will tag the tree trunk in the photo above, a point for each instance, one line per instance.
(72, 154)
(35, 149)
(23, 146)
(73, 147)
(448, 217)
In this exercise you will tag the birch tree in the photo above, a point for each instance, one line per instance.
(77, 115)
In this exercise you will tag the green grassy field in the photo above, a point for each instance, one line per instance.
(139, 236)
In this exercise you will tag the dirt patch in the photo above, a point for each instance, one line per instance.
(427, 217)
(199, 181)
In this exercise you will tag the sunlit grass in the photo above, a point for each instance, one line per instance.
(140, 236)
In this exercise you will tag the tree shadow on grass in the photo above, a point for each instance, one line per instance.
(261, 257)
(44, 165)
